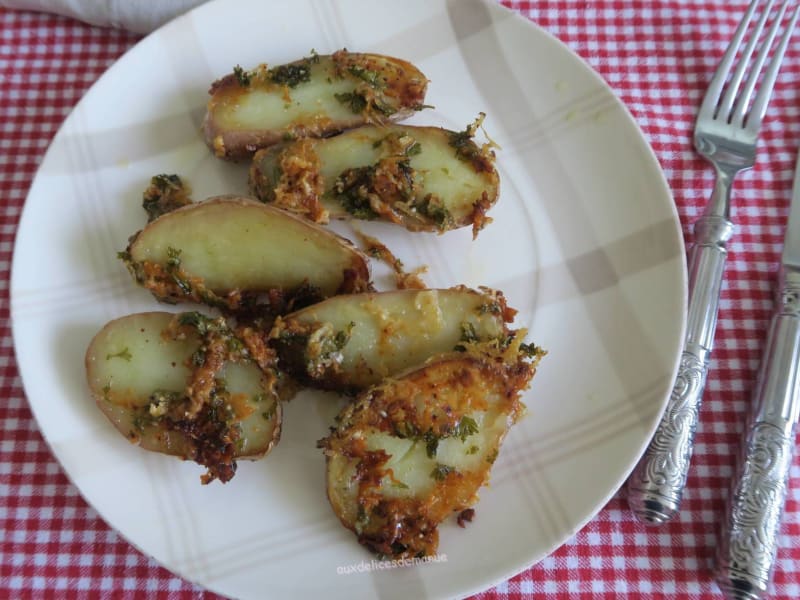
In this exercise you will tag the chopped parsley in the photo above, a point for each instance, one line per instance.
(468, 336)
(433, 208)
(242, 76)
(166, 192)
(351, 189)
(440, 471)
(465, 428)
(414, 149)
(372, 78)
(291, 75)
(201, 323)
(173, 257)
(530, 350)
(270, 412)
(492, 308)
(355, 101)
(431, 443)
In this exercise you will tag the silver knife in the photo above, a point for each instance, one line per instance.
(751, 528)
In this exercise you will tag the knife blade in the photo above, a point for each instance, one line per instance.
(750, 531)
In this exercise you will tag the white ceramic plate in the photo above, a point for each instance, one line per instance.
(585, 243)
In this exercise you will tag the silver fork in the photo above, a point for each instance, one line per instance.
(726, 134)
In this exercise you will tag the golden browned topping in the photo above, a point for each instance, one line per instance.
(165, 194)
(207, 414)
(300, 185)
(394, 503)
(379, 191)
(382, 89)
(481, 158)
(403, 280)
(479, 218)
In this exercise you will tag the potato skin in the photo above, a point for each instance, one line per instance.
(283, 106)
(351, 342)
(415, 449)
(421, 178)
(243, 257)
(188, 386)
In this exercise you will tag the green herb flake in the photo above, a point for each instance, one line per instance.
(399, 484)
(433, 208)
(355, 101)
(465, 428)
(414, 149)
(468, 333)
(234, 344)
(291, 75)
(270, 412)
(124, 354)
(341, 338)
(531, 350)
(406, 430)
(351, 191)
(492, 457)
(242, 76)
(440, 471)
(166, 193)
(201, 323)
(473, 450)
(372, 78)
(431, 443)
(173, 257)
(492, 308)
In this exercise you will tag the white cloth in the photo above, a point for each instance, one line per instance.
(141, 16)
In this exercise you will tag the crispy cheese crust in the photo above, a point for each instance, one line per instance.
(351, 342)
(316, 96)
(190, 386)
(416, 449)
(422, 178)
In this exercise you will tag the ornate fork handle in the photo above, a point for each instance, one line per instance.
(656, 485)
(750, 532)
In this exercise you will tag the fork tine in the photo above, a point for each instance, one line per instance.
(740, 110)
(718, 81)
(726, 105)
(759, 107)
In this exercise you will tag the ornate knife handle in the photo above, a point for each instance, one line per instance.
(656, 485)
(751, 529)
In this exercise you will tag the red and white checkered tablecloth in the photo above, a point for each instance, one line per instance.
(658, 56)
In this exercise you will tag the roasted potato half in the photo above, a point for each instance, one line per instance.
(314, 97)
(415, 449)
(188, 386)
(423, 178)
(350, 342)
(240, 255)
